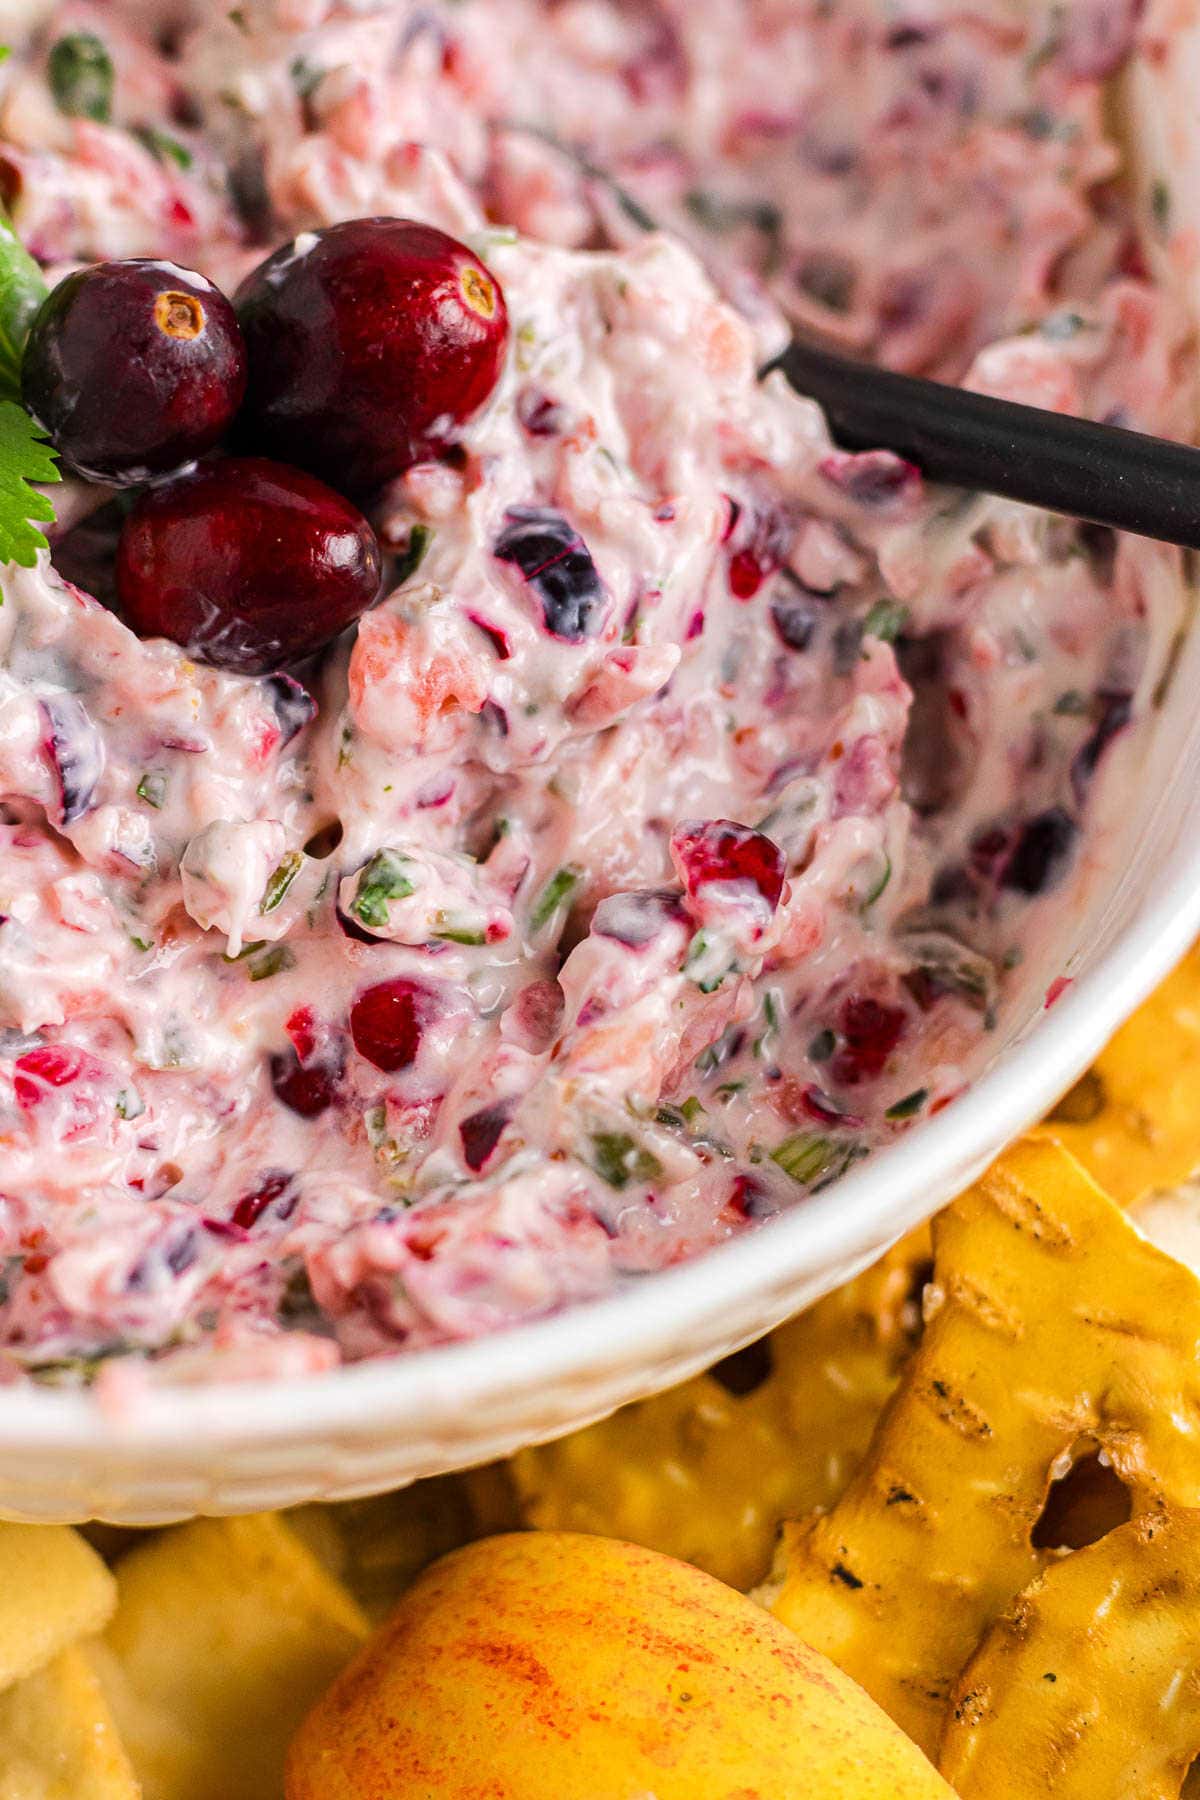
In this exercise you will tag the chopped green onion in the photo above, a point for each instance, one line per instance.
(886, 620)
(419, 539)
(162, 147)
(911, 1103)
(274, 962)
(619, 1159)
(814, 1161)
(384, 878)
(130, 1104)
(556, 892)
(82, 77)
(458, 933)
(881, 883)
(281, 881)
(152, 788)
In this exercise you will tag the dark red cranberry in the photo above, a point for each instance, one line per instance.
(482, 1131)
(870, 1031)
(558, 566)
(718, 850)
(134, 369)
(251, 1207)
(307, 1077)
(75, 751)
(1043, 853)
(248, 564)
(387, 1022)
(370, 344)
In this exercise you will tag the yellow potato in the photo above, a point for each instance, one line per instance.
(547, 1666)
(53, 1589)
(225, 1633)
(58, 1740)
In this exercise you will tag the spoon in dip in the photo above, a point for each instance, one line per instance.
(1103, 473)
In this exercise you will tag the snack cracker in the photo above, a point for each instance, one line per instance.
(1088, 1687)
(1051, 1325)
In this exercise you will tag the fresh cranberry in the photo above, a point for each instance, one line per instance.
(134, 369)
(387, 1022)
(718, 850)
(558, 567)
(246, 563)
(370, 344)
(870, 1031)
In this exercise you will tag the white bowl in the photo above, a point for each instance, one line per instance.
(233, 1448)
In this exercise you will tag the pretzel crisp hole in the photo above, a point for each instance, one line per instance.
(1083, 1505)
(1191, 1783)
(745, 1370)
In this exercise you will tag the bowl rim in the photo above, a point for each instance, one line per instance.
(836, 1229)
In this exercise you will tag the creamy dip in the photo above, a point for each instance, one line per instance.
(645, 612)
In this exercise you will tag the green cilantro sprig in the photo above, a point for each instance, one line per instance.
(25, 456)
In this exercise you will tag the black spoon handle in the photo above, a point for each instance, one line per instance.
(1099, 472)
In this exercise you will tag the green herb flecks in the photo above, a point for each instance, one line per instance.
(813, 1161)
(413, 555)
(273, 962)
(152, 788)
(619, 1159)
(554, 895)
(885, 621)
(281, 880)
(911, 1104)
(82, 77)
(163, 147)
(388, 876)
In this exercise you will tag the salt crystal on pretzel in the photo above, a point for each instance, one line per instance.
(1051, 1324)
(1088, 1687)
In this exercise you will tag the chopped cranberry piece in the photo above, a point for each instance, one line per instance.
(75, 752)
(50, 1066)
(872, 477)
(307, 1077)
(540, 416)
(870, 1031)
(818, 1105)
(637, 919)
(558, 566)
(746, 574)
(387, 1021)
(293, 705)
(715, 850)
(251, 1207)
(1043, 853)
(481, 1132)
(795, 620)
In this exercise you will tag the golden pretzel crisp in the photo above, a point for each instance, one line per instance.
(1051, 1325)
(706, 1471)
(1088, 1688)
(1134, 1119)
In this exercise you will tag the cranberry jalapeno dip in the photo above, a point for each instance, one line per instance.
(528, 806)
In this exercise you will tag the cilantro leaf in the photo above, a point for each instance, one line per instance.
(25, 457)
(82, 76)
(22, 291)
